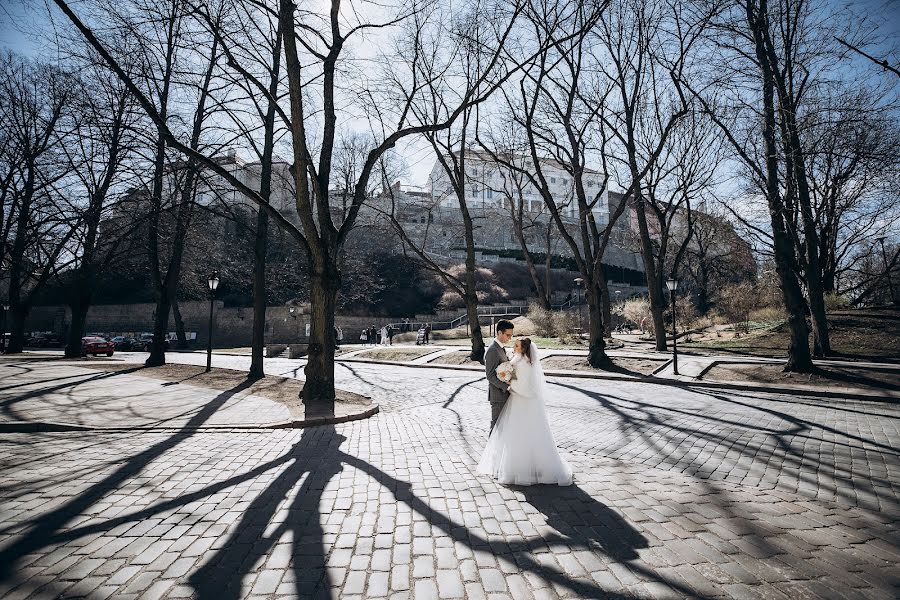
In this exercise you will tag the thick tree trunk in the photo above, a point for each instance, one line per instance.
(703, 305)
(318, 389)
(157, 356)
(596, 344)
(657, 311)
(605, 303)
(79, 308)
(542, 293)
(654, 283)
(257, 342)
(477, 353)
(17, 315)
(798, 357)
(180, 334)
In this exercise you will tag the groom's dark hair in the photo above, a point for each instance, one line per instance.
(504, 325)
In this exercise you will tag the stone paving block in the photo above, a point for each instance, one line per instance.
(698, 492)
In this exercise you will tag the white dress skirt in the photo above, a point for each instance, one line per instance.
(521, 449)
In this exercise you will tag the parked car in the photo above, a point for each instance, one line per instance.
(124, 343)
(96, 345)
(43, 340)
(146, 339)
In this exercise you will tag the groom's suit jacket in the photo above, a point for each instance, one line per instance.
(497, 390)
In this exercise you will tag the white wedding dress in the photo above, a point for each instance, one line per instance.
(521, 449)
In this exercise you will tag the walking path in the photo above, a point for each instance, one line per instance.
(691, 368)
(58, 395)
(679, 493)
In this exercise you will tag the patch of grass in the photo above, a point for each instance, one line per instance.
(860, 334)
(455, 358)
(826, 377)
(285, 390)
(622, 365)
(400, 354)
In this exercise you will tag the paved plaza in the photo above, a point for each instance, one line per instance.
(680, 493)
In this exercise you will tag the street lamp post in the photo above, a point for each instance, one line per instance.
(213, 282)
(672, 284)
(3, 328)
(578, 282)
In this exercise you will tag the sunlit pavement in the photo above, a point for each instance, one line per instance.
(679, 493)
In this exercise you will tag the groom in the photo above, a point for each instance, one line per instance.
(498, 391)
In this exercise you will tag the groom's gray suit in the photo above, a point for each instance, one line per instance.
(498, 391)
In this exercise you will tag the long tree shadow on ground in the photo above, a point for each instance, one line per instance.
(582, 522)
(663, 428)
(48, 525)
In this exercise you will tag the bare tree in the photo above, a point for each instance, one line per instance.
(528, 220)
(37, 113)
(558, 106)
(648, 52)
(251, 40)
(101, 146)
(317, 64)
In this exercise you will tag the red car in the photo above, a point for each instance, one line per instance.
(96, 345)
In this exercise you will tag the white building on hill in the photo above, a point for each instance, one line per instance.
(489, 185)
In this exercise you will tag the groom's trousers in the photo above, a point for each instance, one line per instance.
(496, 409)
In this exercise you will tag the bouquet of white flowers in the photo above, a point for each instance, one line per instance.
(506, 372)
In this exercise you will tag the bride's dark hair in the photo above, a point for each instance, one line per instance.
(526, 347)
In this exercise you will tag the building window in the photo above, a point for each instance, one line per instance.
(490, 193)
(476, 191)
(553, 180)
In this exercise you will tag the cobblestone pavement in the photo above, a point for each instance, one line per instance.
(679, 493)
(55, 392)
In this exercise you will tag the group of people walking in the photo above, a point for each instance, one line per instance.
(385, 336)
(373, 336)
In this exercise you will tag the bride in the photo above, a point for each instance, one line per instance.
(521, 449)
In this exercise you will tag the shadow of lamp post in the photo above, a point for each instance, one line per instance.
(672, 284)
(213, 282)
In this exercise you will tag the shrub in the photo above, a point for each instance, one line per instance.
(768, 313)
(684, 310)
(635, 310)
(736, 301)
(834, 301)
(542, 319)
(563, 325)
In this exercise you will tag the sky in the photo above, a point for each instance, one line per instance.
(26, 25)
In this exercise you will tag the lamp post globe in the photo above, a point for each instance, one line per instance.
(672, 285)
(213, 282)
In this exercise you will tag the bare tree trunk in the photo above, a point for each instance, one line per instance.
(471, 299)
(542, 293)
(17, 315)
(318, 389)
(257, 343)
(596, 343)
(605, 303)
(79, 307)
(180, 334)
(798, 358)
